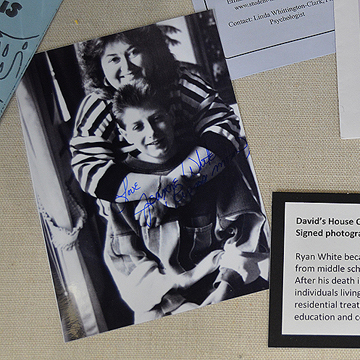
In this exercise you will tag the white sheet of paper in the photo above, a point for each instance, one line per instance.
(259, 35)
(347, 23)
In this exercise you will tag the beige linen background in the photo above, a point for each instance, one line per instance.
(291, 121)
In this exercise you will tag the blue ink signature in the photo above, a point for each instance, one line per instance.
(18, 54)
(222, 163)
(175, 189)
(201, 163)
(128, 192)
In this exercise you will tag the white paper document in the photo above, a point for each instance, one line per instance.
(347, 22)
(260, 35)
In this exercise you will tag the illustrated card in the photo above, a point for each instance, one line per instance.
(315, 270)
(143, 178)
(266, 34)
(22, 26)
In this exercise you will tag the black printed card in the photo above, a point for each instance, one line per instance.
(315, 270)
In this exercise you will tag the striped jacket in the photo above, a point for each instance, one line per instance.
(98, 149)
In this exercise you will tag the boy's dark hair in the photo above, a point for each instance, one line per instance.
(133, 96)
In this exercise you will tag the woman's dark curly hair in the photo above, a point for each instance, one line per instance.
(151, 40)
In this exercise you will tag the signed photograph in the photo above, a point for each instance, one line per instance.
(142, 174)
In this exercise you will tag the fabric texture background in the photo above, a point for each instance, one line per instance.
(291, 121)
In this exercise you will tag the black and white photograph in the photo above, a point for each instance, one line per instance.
(142, 174)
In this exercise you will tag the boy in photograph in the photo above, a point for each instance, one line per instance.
(166, 259)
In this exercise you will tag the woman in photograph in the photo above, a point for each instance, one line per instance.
(141, 57)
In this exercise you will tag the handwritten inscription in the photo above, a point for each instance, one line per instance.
(175, 190)
(200, 163)
(128, 191)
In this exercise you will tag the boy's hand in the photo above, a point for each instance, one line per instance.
(149, 215)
